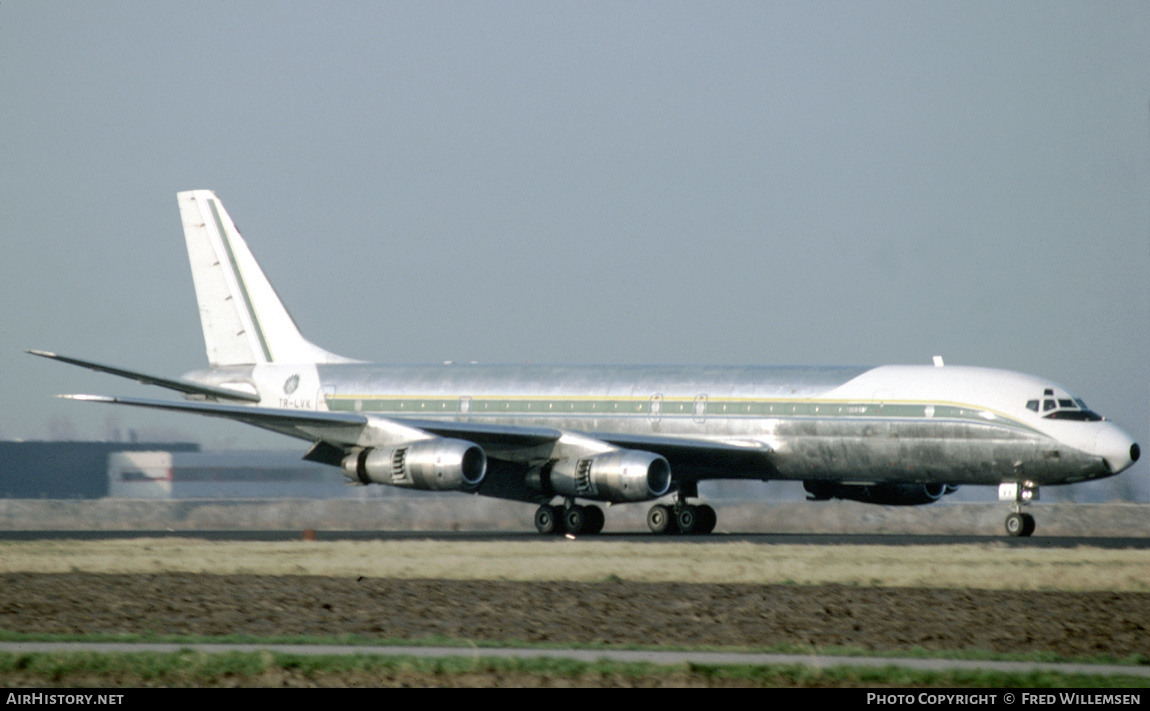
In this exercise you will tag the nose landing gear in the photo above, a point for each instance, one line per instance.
(1018, 523)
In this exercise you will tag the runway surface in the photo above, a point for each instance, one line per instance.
(869, 539)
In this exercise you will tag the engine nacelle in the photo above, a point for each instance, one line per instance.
(893, 494)
(618, 476)
(437, 464)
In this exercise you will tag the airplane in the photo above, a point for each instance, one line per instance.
(558, 435)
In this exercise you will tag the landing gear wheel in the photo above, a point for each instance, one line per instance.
(660, 520)
(1019, 525)
(696, 520)
(594, 520)
(548, 519)
(575, 520)
(705, 519)
(688, 520)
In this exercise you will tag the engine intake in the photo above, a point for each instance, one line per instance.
(617, 476)
(437, 464)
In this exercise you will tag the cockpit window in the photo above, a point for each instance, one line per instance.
(1062, 408)
(1082, 415)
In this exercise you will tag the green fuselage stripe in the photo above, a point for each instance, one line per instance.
(499, 406)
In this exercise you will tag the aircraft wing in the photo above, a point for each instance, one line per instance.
(690, 458)
(336, 427)
(696, 459)
(336, 432)
(343, 428)
(490, 437)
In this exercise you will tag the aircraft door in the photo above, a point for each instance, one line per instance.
(656, 409)
(699, 414)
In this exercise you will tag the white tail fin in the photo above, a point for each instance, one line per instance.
(244, 321)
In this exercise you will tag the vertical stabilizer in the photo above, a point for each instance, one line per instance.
(244, 321)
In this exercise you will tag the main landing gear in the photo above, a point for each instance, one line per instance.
(688, 519)
(681, 517)
(569, 517)
(1018, 523)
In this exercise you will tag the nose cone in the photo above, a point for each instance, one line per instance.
(1116, 448)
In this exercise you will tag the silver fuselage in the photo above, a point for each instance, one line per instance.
(953, 425)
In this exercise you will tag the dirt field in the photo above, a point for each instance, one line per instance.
(729, 615)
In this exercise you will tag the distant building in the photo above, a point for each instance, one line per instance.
(65, 470)
(221, 475)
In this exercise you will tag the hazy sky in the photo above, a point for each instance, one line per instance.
(583, 182)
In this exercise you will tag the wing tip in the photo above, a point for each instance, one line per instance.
(86, 398)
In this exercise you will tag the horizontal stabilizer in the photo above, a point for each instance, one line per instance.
(184, 386)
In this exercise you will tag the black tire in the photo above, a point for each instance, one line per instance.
(547, 520)
(688, 519)
(705, 519)
(661, 521)
(575, 520)
(595, 520)
(1028, 525)
(1015, 525)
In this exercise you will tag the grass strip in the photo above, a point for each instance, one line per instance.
(192, 668)
(989, 566)
(465, 644)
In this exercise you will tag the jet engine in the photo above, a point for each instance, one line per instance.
(894, 494)
(618, 476)
(437, 464)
